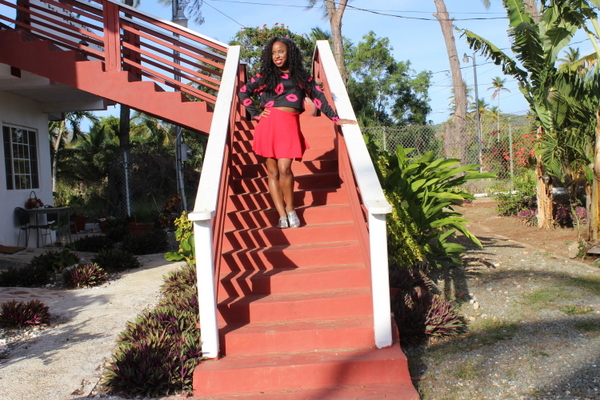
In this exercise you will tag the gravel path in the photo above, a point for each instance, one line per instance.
(65, 361)
(534, 324)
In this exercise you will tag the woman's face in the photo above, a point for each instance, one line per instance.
(280, 55)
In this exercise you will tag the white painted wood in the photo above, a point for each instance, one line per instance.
(372, 197)
(205, 274)
(364, 171)
(206, 205)
(382, 315)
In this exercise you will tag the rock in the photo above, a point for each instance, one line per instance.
(573, 250)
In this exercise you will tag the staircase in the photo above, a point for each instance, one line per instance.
(118, 53)
(294, 305)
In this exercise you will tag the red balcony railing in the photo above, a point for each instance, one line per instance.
(125, 39)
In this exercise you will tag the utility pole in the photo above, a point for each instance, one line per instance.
(477, 114)
(178, 8)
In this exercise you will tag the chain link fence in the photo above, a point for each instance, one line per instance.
(505, 144)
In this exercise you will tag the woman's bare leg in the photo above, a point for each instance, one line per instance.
(286, 182)
(275, 186)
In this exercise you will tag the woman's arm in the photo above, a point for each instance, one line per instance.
(320, 101)
(250, 89)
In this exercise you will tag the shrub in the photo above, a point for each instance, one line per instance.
(152, 243)
(184, 234)
(419, 311)
(425, 190)
(87, 275)
(116, 229)
(93, 243)
(55, 261)
(31, 275)
(40, 270)
(115, 260)
(523, 195)
(156, 354)
(19, 314)
(180, 289)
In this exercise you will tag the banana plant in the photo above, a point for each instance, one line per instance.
(427, 190)
(564, 103)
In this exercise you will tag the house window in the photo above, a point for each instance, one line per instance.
(21, 158)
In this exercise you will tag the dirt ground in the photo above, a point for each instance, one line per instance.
(533, 316)
(483, 222)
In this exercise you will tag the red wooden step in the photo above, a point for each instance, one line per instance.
(317, 254)
(297, 336)
(254, 374)
(309, 215)
(398, 390)
(273, 236)
(291, 280)
(351, 302)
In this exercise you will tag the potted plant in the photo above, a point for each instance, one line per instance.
(143, 222)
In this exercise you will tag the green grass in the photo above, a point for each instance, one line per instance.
(468, 371)
(546, 297)
(493, 331)
(577, 310)
(590, 283)
(588, 326)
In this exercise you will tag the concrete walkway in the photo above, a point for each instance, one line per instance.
(66, 361)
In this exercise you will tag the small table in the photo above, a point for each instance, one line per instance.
(51, 210)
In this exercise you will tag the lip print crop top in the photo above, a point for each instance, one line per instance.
(286, 94)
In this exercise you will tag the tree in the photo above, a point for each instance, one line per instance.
(64, 131)
(253, 40)
(455, 143)
(334, 11)
(560, 100)
(384, 91)
(498, 88)
(455, 138)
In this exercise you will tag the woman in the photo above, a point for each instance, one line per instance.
(282, 84)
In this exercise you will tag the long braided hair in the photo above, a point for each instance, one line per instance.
(269, 71)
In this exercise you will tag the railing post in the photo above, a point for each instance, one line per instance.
(205, 274)
(112, 37)
(382, 318)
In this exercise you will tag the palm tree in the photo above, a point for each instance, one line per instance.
(65, 131)
(562, 102)
(455, 140)
(334, 11)
(498, 88)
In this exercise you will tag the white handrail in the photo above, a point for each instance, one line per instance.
(206, 205)
(372, 197)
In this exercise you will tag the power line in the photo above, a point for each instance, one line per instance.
(385, 13)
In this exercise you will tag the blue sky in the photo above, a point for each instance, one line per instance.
(414, 34)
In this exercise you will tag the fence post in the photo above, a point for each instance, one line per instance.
(510, 147)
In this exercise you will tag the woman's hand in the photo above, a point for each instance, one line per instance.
(265, 113)
(346, 122)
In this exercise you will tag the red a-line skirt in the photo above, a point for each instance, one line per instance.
(278, 136)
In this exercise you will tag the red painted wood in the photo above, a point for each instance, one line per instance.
(295, 305)
(39, 57)
(254, 374)
(112, 44)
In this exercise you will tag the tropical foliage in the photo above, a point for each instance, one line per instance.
(563, 102)
(424, 192)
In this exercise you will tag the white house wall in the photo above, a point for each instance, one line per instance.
(20, 111)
